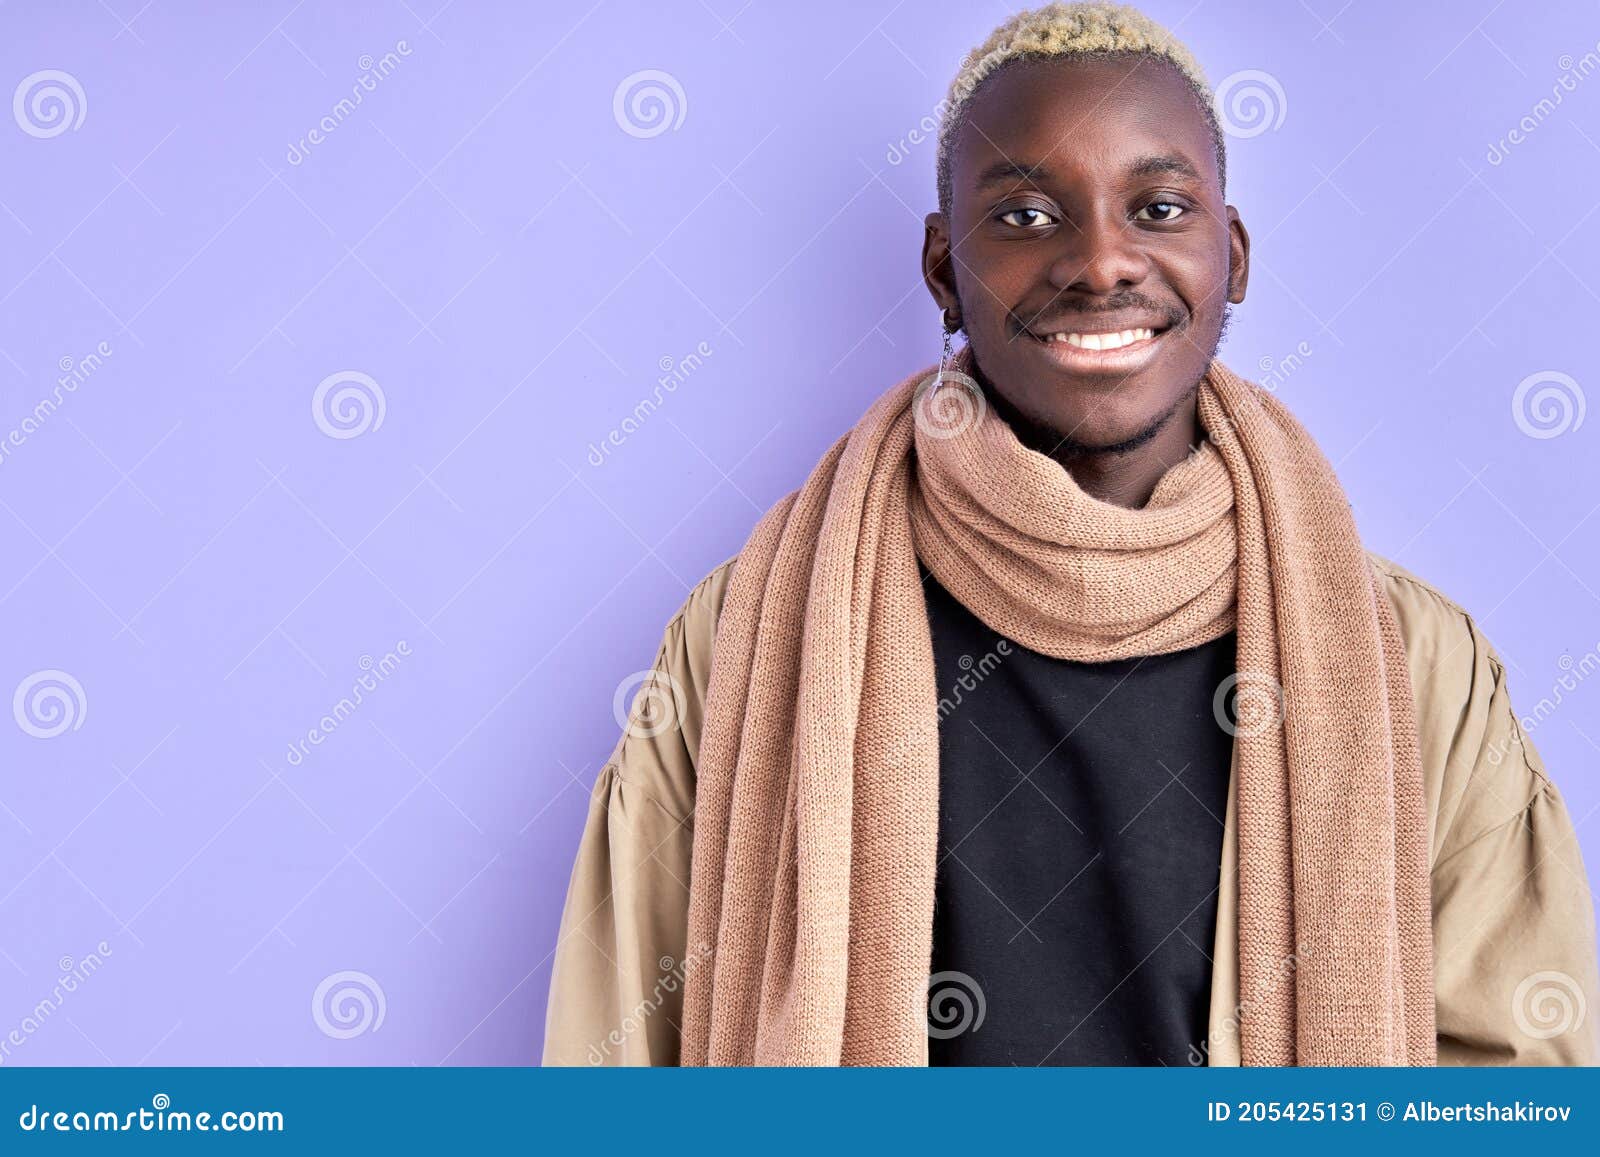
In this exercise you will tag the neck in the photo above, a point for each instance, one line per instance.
(1125, 474)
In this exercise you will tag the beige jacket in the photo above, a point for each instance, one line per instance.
(1514, 931)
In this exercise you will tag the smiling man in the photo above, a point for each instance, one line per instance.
(1060, 717)
(1090, 345)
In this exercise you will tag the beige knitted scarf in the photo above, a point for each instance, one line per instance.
(816, 816)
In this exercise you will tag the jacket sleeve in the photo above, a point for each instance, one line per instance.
(1514, 927)
(616, 986)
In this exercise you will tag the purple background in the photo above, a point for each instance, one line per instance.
(483, 239)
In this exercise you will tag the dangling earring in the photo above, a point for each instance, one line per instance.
(949, 332)
(949, 413)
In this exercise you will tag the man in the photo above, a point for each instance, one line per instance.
(1060, 717)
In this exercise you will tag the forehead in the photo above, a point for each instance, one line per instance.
(1085, 115)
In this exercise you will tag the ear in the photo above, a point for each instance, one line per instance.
(938, 267)
(1238, 257)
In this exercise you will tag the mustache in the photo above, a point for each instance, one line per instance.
(1060, 318)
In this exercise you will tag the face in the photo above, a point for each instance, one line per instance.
(1089, 255)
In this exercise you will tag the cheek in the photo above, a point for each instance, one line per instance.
(1199, 296)
(993, 280)
(1201, 280)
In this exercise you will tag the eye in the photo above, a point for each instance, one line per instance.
(1034, 218)
(1161, 211)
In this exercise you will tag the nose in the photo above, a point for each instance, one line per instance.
(1100, 257)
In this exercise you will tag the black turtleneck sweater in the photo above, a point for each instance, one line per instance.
(1080, 830)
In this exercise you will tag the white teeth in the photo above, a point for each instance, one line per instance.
(1102, 341)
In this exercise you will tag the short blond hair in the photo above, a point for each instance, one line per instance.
(1057, 30)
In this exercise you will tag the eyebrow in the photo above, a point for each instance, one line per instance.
(1154, 165)
(1150, 165)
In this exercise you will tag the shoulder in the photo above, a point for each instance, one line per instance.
(686, 648)
(1444, 642)
(1425, 612)
(692, 630)
(697, 616)
(1480, 769)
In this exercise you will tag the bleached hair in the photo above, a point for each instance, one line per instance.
(1056, 30)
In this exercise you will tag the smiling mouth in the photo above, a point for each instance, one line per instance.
(1108, 353)
(1100, 341)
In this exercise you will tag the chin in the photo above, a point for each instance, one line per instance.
(1105, 423)
(1092, 439)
